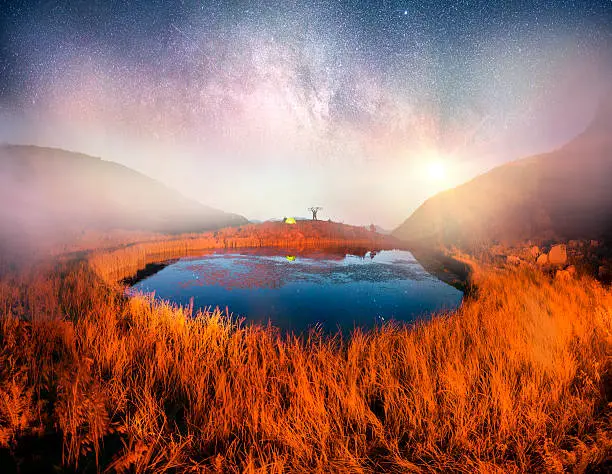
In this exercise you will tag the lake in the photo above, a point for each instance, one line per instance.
(295, 291)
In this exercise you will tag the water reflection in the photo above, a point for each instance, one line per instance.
(345, 288)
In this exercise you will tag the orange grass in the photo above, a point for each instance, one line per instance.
(127, 260)
(517, 380)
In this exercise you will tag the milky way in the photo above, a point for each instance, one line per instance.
(264, 109)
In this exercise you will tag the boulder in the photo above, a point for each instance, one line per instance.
(542, 259)
(557, 255)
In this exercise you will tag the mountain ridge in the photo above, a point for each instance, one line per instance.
(50, 188)
(562, 194)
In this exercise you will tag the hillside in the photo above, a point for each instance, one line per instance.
(48, 192)
(564, 194)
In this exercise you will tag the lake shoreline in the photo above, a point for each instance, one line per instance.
(117, 264)
(148, 270)
(343, 289)
(447, 268)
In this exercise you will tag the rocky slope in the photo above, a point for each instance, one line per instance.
(561, 195)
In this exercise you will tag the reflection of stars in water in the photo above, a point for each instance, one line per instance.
(252, 271)
(318, 296)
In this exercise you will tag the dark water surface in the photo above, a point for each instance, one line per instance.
(298, 291)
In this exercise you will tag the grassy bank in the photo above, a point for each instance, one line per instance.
(517, 380)
(453, 268)
(125, 261)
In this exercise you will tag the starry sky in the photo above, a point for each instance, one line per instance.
(267, 108)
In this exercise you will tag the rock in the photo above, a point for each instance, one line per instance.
(513, 260)
(534, 251)
(542, 259)
(557, 255)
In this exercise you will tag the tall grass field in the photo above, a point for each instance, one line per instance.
(519, 379)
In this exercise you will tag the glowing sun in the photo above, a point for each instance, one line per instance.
(436, 170)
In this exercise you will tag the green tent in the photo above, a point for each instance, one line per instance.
(289, 220)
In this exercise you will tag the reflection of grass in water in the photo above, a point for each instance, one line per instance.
(515, 381)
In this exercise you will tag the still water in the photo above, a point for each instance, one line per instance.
(297, 291)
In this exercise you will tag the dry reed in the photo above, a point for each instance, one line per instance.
(517, 380)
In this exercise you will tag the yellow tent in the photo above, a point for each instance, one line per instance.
(289, 220)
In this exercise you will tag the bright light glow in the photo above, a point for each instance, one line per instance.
(436, 170)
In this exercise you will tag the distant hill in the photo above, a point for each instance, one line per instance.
(382, 230)
(50, 191)
(564, 194)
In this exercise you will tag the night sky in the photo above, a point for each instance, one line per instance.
(266, 108)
